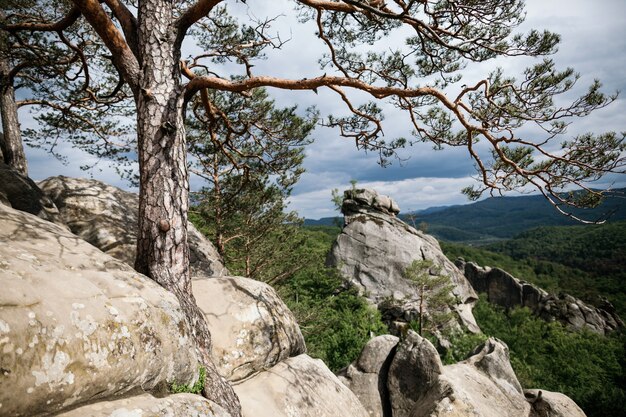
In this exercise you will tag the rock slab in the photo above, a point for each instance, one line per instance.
(145, 405)
(77, 324)
(298, 387)
(251, 328)
(106, 217)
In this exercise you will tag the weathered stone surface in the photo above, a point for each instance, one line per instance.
(367, 376)
(178, 405)
(23, 194)
(413, 374)
(79, 325)
(106, 217)
(484, 385)
(552, 404)
(492, 358)
(507, 291)
(469, 393)
(298, 387)
(375, 248)
(252, 329)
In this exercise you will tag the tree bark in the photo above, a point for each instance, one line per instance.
(11, 140)
(162, 250)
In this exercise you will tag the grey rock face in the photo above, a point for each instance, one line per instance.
(552, 404)
(367, 377)
(77, 325)
(507, 291)
(492, 358)
(297, 387)
(251, 328)
(177, 405)
(414, 372)
(21, 193)
(374, 249)
(106, 217)
(418, 385)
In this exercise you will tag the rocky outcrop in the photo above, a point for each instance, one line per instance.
(507, 291)
(77, 325)
(367, 376)
(251, 328)
(375, 248)
(419, 385)
(21, 193)
(552, 404)
(106, 217)
(298, 387)
(178, 405)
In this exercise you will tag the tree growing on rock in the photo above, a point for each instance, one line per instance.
(420, 77)
(433, 292)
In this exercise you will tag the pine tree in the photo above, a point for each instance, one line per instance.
(433, 292)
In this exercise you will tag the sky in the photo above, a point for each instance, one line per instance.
(593, 43)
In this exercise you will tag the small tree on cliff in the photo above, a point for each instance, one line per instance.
(433, 292)
(420, 77)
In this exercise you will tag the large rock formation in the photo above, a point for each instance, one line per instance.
(375, 248)
(419, 385)
(77, 325)
(507, 291)
(251, 328)
(298, 387)
(106, 217)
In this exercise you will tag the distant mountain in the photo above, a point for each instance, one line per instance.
(500, 218)
(324, 221)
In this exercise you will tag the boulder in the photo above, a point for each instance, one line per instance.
(414, 373)
(77, 325)
(552, 404)
(106, 217)
(375, 248)
(492, 358)
(297, 387)
(252, 329)
(145, 405)
(505, 290)
(367, 376)
(21, 193)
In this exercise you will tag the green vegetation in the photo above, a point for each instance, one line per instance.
(192, 389)
(589, 368)
(434, 292)
(336, 322)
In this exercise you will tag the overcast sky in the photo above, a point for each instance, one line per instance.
(593, 42)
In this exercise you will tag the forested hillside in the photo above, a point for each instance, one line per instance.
(585, 261)
(500, 218)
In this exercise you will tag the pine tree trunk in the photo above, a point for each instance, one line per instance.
(11, 140)
(162, 250)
